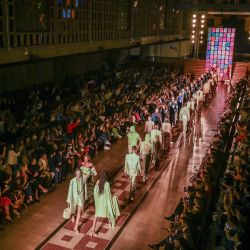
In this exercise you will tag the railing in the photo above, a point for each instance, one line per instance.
(31, 39)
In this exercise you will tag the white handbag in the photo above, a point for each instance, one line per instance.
(67, 213)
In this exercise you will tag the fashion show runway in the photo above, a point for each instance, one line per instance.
(139, 223)
(147, 224)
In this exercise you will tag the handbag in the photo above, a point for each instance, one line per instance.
(67, 213)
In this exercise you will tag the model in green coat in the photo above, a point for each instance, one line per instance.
(77, 194)
(106, 206)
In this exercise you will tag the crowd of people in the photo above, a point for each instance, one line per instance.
(52, 137)
(187, 221)
(142, 155)
(47, 137)
(231, 219)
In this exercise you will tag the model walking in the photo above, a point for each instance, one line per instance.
(134, 139)
(145, 153)
(77, 194)
(132, 169)
(106, 206)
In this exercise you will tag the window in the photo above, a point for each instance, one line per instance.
(122, 15)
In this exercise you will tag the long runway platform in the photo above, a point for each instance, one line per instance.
(141, 222)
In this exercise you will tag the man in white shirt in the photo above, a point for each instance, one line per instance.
(156, 140)
(132, 169)
(149, 125)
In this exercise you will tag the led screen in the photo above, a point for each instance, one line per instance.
(220, 46)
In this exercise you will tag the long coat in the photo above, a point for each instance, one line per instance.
(106, 206)
(77, 194)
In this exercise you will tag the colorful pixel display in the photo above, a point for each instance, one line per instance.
(220, 47)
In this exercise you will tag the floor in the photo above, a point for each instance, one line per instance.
(167, 192)
(40, 220)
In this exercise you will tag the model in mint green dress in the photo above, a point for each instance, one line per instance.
(106, 206)
(77, 193)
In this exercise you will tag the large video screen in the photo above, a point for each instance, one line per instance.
(220, 47)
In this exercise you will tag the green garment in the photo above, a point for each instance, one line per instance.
(115, 132)
(133, 139)
(88, 171)
(156, 136)
(146, 146)
(132, 165)
(106, 206)
(184, 114)
(77, 193)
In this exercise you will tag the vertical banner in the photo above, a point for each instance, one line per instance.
(220, 47)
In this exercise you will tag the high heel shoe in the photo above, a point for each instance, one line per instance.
(76, 229)
(93, 234)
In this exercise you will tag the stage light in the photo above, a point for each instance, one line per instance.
(194, 15)
(194, 20)
(193, 24)
(203, 16)
(135, 4)
(192, 41)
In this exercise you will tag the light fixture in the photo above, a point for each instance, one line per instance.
(192, 36)
(203, 16)
(201, 37)
(249, 38)
(201, 41)
(192, 41)
(135, 4)
(201, 32)
(193, 24)
(194, 20)
(202, 26)
(194, 15)
(193, 31)
(202, 21)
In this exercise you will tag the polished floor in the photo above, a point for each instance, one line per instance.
(42, 219)
(147, 224)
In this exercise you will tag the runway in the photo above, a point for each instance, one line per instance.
(141, 221)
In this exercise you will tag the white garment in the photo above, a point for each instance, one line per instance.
(166, 127)
(149, 126)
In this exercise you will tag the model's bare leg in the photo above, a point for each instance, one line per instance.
(79, 210)
(93, 228)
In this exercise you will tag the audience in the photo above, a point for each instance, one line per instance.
(232, 222)
(47, 131)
